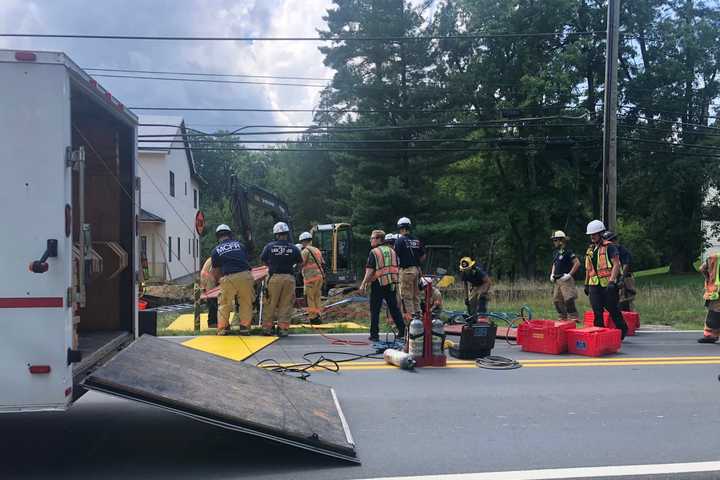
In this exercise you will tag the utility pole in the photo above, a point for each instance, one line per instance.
(609, 195)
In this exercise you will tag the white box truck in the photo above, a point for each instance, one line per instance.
(68, 297)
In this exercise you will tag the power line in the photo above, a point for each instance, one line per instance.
(204, 80)
(308, 39)
(351, 150)
(397, 140)
(196, 74)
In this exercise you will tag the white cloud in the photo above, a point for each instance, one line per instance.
(190, 17)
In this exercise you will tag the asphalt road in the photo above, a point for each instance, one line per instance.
(433, 421)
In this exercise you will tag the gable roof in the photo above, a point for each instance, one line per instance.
(166, 130)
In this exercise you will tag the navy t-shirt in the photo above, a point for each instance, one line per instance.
(409, 251)
(625, 256)
(280, 256)
(230, 256)
(475, 276)
(563, 260)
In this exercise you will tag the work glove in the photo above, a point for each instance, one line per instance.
(566, 277)
(552, 278)
(587, 290)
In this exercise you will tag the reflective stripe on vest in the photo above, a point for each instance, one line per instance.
(712, 280)
(386, 265)
(604, 267)
(311, 265)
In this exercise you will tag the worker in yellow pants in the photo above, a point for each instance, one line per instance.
(280, 256)
(313, 271)
(231, 269)
(411, 253)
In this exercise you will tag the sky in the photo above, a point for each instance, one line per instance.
(185, 18)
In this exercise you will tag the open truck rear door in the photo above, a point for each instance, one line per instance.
(227, 394)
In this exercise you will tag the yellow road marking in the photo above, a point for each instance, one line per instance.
(580, 362)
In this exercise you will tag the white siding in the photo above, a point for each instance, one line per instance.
(178, 211)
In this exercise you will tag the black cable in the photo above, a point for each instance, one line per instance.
(323, 361)
(197, 74)
(204, 143)
(205, 80)
(327, 38)
(494, 362)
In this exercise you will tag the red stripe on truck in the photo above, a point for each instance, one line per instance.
(31, 302)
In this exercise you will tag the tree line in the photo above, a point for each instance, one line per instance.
(488, 141)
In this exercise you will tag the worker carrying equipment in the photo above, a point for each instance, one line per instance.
(477, 286)
(230, 265)
(711, 271)
(626, 284)
(313, 272)
(602, 272)
(381, 275)
(280, 256)
(562, 272)
(411, 254)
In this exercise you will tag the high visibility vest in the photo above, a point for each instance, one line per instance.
(712, 278)
(386, 265)
(604, 265)
(311, 266)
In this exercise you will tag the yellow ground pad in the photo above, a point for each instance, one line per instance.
(234, 348)
(328, 326)
(186, 322)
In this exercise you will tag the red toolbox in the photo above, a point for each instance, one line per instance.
(631, 318)
(593, 341)
(544, 336)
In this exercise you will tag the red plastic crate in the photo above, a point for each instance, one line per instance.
(544, 336)
(593, 341)
(632, 319)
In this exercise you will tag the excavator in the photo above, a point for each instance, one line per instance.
(335, 242)
(241, 196)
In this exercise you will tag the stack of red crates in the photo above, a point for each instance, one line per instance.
(631, 318)
(544, 336)
(593, 341)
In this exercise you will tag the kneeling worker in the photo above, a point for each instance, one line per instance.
(382, 274)
(565, 266)
(313, 272)
(280, 256)
(230, 264)
(477, 285)
(711, 271)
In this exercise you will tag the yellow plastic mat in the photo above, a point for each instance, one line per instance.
(186, 322)
(232, 347)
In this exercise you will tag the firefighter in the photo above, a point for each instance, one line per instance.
(627, 283)
(280, 256)
(232, 270)
(711, 272)
(477, 285)
(562, 274)
(382, 275)
(207, 282)
(313, 272)
(390, 240)
(602, 273)
(411, 253)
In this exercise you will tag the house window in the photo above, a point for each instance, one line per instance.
(143, 246)
(169, 249)
(195, 198)
(172, 184)
(186, 189)
(178, 249)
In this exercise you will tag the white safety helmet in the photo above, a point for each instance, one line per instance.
(389, 237)
(223, 228)
(404, 222)
(280, 227)
(596, 226)
(298, 246)
(305, 236)
(558, 234)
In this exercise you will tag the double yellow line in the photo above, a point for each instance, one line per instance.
(562, 362)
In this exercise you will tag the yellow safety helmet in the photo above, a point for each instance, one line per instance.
(466, 263)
